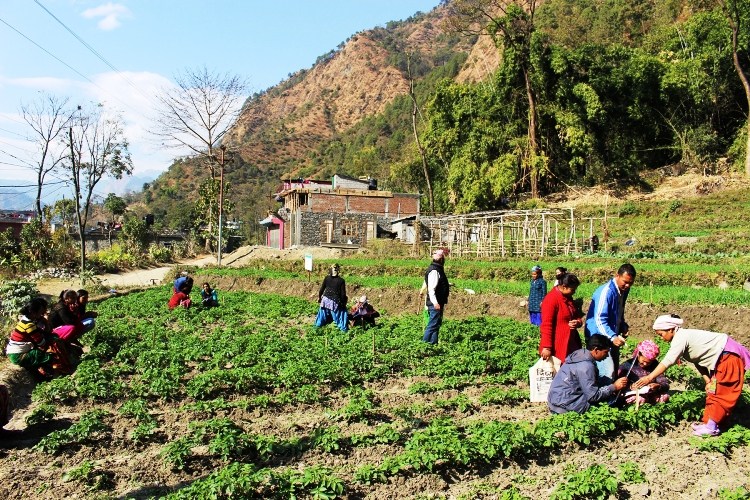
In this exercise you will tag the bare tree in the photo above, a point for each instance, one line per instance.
(98, 149)
(197, 113)
(510, 24)
(48, 117)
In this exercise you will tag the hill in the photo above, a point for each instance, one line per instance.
(632, 96)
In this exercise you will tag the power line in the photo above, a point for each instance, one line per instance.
(48, 52)
(95, 52)
(34, 185)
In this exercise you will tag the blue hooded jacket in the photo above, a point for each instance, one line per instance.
(575, 387)
(603, 310)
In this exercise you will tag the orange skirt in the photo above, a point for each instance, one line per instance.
(725, 388)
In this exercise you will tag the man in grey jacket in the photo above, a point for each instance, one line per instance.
(576, 386)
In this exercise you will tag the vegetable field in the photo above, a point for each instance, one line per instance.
(248, 400)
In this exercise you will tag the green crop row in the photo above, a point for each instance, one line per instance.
(642, 292)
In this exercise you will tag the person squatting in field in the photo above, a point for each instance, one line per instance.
(561, 319)
(641, 364)
(721, 361)
(606, 316)
(88, 318)
(66, 320)
(362, 313)
(209, 296)
(31, 342)
(438, 289)
(577, 386)
(537, 292)
(332, 299)
(182, 296)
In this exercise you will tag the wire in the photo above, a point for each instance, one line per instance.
(47, 51)
(34, 185)
(95, 52)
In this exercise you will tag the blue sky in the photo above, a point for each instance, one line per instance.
(149, 41)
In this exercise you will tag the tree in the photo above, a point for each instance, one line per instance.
(423, 156)
(206, 213)
(197, 113)
(48, 117)
(737, 13)
(510, 24)
(98, 149)
(115, 206)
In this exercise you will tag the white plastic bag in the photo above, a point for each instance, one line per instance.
(540, 378)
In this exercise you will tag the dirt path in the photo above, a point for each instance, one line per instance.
(128, 279)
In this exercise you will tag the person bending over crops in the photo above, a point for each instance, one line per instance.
(561, 319)
(30, 339)
(182, 296)
(332, 299)
(209, 296)
(362, 313)
(641, 364)
(576, 386)
(65, 319)
(721, 360)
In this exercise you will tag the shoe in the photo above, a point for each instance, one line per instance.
(704, 430)
(697, 425)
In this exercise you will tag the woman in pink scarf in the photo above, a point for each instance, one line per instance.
(640, 365)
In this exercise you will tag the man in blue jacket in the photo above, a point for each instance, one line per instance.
(577, 386)
(606, 316)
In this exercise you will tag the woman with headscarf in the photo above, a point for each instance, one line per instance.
(641, 364)
(332, 299)
(560, 320)
(362, 313)
(720, 359)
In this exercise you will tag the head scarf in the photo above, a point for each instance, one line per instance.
(648, 348)
(335, 270)
(439, 253)
(667, 322)
(536, 268)
(363, 299)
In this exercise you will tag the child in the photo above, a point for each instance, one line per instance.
(643, 363)
(29, 340)
(209, 295)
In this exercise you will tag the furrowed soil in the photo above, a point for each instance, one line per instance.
(670, 461)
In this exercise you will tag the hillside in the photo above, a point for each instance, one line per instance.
(283, 129)
(634, 96)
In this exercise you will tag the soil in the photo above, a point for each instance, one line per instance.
(673, 467)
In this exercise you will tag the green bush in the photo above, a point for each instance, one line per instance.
(159, 253)
(14, 294)
(113, 259)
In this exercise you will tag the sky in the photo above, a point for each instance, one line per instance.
(51, 46)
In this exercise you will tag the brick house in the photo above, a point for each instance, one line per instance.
(343, 211)
(15, 220)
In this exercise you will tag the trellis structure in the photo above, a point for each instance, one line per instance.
(508, 233)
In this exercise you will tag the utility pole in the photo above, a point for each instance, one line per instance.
(223, 149)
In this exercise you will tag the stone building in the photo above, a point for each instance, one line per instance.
(344, 211)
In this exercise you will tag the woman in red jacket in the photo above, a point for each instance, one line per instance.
(560, 320)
